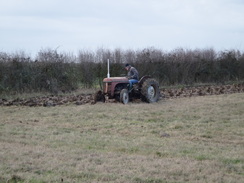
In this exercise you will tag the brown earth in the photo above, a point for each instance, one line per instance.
(166, 93)
(202, 90)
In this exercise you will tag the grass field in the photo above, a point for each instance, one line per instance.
(197, 139)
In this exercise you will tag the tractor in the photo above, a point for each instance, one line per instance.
(118, 88)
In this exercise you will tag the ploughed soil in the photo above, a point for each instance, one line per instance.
(80, 99)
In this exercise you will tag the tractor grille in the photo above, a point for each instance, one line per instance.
(107, 88)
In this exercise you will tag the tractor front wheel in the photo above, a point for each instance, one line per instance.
(124, 96)
(99, 97)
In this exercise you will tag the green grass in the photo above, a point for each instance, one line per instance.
(198, 139)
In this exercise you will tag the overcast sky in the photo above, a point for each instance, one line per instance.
(72, 25)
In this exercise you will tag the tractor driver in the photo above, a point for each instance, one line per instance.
(132, 75)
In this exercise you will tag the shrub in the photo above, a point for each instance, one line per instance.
(54, 72)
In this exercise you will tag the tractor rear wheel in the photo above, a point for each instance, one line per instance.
(124, 96)
(150, 90)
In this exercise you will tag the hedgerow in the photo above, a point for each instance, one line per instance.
(62, 72)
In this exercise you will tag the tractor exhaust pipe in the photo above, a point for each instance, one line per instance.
(108, 75)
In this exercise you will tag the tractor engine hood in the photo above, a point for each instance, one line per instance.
(109, 84)
(116, 79)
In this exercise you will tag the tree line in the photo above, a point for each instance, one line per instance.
(63, 72)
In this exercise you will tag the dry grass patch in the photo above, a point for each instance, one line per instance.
(199, 139)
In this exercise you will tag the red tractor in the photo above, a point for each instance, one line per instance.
(147, 89)
(118, 88)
